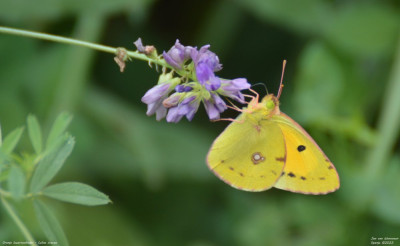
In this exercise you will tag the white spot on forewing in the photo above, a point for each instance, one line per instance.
(257, 157)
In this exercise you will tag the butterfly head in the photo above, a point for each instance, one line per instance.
(271, 104)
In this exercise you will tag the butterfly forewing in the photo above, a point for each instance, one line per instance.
(307, 169)
(249, 154)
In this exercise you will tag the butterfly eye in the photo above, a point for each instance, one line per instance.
(301, 148)
(270, 104)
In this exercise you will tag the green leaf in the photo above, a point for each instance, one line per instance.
(16, 182)
(35, 134)
(75, 192)
(301, 16)
(49, 224)
(21, 10)
(49, 166)
(58, 128)
(322, 85)
(386, 200)
(364, 29)
(11, 140)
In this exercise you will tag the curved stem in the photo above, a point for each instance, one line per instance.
(389, 121)
(387, 133)
(18, 221)
(59, 39)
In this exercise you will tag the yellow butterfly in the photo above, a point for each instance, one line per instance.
(264, 148)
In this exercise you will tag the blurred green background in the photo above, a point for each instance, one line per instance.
(342, 84)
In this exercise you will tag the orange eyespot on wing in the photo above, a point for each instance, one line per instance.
(307, 169)
(248, 156)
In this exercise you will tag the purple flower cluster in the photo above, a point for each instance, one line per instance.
(200, 84)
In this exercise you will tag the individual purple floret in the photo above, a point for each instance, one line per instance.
(214, 106)
(188, 107)
(206, 63)
(148, 50)
(232, 88)
(172, 100)
(212, 84)
(155, 93)
(155, 96)
(157, 108)
(204, 72)
(206, 56)
(139, 46)
(183, 88)
(177, 55)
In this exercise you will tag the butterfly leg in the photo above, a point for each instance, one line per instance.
(234, 107)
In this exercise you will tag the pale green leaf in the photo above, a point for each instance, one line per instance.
(49, 224)
(320, 79)
(386, 200)
(22, 10)
(11, 140)
(75, 192)
(365, 29)
(58, 128)
(16, 182)
(35, 133)
(50, 165)
(302, 16)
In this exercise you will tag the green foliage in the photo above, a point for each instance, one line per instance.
(58, 129)
(364, 30)
(76, 193)
(327, 94)
(16, 182)
(49, 223)
(48, 167)
(35, 133)
(11, 140)
(42, 167)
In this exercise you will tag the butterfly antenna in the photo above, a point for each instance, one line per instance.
(263, 85)
(281, 84)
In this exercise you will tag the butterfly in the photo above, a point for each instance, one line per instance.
(264, 148)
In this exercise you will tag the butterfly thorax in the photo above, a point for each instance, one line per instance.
(268, 107)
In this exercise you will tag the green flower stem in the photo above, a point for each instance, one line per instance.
(104, 48)
(18, 221)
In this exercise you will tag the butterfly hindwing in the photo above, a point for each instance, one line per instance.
(307, 169)
(248, 155)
